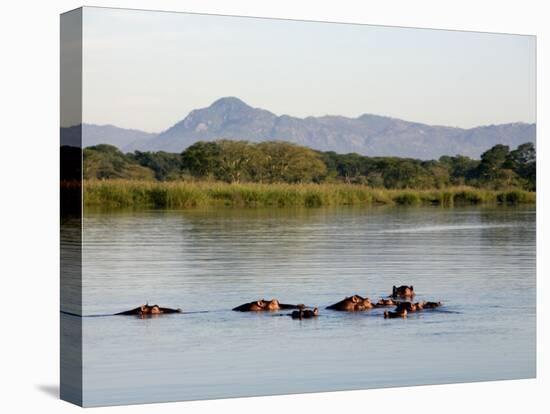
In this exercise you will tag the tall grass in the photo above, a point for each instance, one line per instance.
(179, 194)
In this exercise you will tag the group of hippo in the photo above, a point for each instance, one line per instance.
(401, 297)
(274, 305)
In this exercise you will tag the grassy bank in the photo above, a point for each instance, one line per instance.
(154, 194)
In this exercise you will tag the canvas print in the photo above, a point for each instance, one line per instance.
(257, 206)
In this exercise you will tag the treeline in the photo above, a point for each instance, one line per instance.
(284, 162)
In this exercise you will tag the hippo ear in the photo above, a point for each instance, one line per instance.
(412, 287)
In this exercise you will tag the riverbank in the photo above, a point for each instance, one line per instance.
(178, 194)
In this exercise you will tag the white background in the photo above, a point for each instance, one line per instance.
(29, 264)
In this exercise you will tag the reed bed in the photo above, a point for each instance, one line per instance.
(182, 194)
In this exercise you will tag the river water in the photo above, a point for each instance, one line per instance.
(480, 262)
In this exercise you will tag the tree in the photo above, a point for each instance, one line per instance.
(439, 173)
(234, 160)
(166, 166)
(107, 162)
(523, 161)
(349, 166)
(291, 163)
(404, 173)
(461, 168)
(201, 158)
(492, 161)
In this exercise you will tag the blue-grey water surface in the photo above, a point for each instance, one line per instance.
(480, 262)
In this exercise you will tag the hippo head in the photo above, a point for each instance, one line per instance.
(155, 310)
(402, 291)
(145, 309)
(356, 299)
(259, 305)
(363, 304)
(272, 305)
(431, 305)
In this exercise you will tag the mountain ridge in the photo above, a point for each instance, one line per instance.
(367, 134)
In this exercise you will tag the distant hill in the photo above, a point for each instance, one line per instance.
(367, 134)
(126, 140)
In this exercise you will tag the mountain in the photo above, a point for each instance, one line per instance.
(126, 140)
(367, 134)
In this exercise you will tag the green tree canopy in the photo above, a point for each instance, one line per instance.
(279, 161)
(523, 161)
(107, 162)
(492, 161)
(166, 166)
(286, 162)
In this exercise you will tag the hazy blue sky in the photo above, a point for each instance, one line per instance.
(147, 70)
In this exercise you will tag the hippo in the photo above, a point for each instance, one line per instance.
(274, 305)
(430, 305)
(418, 306)
(364, 305)
(353, 303)
(402, 292)
(409, 307)
(256, 306)
(387, 302)
(145, 310)
(397, 314)
(263, 305)
(305, 314)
